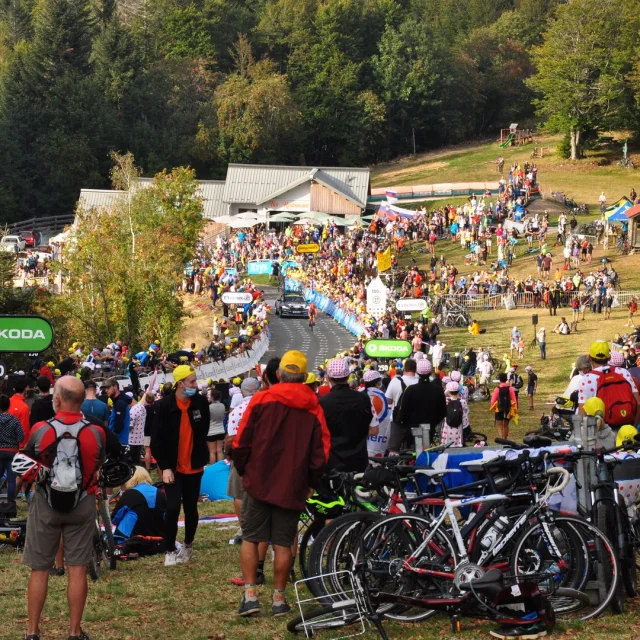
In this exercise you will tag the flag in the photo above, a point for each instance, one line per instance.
(384, 260)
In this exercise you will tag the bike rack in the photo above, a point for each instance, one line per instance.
(349, 594)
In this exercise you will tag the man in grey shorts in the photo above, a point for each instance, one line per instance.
(47, 525)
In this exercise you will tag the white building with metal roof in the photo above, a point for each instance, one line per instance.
(267, 189)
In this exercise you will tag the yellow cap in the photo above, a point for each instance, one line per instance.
(209, 381)
(237, 381)
(628, 432)
(294, 362)
(182, 372)
(57, 372)
(51, 364)
(311, 378)
(71, 349)
(594, 406)
(600, 350)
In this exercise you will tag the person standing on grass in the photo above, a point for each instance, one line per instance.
(281, 448)
(532, 385)
(179, 445)
(504, 404)
(52, 515)
(542, 342)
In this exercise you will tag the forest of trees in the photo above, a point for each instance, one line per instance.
(334, 82)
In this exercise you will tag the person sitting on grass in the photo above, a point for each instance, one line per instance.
(562, 328)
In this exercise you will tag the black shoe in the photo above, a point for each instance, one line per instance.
(521, 632)
(280, 609)
(82, 636)
(57, 571)
(248, 607)
(32, 636)
(260, 578)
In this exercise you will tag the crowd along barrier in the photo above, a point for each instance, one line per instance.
(330, 307)
(233, 366)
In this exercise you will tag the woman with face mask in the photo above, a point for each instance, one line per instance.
(179, 445)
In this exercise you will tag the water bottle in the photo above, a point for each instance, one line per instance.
(494, 533)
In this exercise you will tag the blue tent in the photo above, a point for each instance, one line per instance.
(618, 214)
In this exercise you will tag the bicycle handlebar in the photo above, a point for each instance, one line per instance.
(563, 483)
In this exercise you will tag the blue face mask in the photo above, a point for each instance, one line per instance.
(190, 392)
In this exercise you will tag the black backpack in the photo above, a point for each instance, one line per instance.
(454, 413)
(396, 409)
(517, 381)
(504, 400)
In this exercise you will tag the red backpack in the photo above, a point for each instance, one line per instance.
(617, 395)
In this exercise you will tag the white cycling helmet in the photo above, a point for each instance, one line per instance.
(28, 469)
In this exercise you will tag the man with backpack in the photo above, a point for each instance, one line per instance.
(515, 379)
(399, 433)
(613, 385)
(504, 403)
(62, 457)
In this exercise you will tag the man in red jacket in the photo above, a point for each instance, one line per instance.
(280, 449)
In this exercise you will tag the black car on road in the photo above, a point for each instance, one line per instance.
(293, 304)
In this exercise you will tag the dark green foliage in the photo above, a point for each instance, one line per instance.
(206, 82)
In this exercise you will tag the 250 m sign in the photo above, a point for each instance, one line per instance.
(25, 334)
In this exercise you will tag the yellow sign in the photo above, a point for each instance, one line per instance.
(308, 248)
(384, 260)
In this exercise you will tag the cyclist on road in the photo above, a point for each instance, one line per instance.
(313, 313)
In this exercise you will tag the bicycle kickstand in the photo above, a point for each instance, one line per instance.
(377, 621)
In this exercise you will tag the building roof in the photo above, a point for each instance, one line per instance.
(256, 184)
(633, 211)
(210, 190)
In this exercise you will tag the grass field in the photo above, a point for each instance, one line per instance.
(582, 180)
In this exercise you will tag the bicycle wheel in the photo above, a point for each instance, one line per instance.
(325, 618)
(306, 543)
(628, 568)
(568, 553)
(109, 543)
(319, 564)
(389, 550)
(94, 566)
(605, 520)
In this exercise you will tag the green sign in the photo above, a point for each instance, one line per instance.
(25, 334)
(388, 349)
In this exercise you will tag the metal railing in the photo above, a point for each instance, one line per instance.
(48, 225)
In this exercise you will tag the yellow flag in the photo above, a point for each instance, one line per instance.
(384, 260)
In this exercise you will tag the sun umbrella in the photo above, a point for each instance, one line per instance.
(252, 215)
(242, 224)
(307, 220)
(283, 216)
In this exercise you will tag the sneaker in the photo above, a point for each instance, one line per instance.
(82, 636)
(522, 632)
(170, 559)
(184, 555)
(280, 608)
(57, 571)
(248, 607)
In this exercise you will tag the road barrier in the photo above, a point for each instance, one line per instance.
(330, 307)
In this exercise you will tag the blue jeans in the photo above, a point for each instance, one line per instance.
(6, 457)
(543, 350)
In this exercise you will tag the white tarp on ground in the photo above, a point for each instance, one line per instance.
(231, 367)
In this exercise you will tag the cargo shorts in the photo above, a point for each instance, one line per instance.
(45, 527)
(264, 522)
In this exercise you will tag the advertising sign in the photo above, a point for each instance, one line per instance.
(411, 304)
(388, 348)
(25, 334)
(308, 248)
(231, 297)
(376, 298)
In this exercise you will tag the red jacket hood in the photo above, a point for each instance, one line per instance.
(294, 395)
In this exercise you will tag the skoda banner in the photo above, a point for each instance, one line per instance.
(232, 297)
(411, 304)
(25, 334)
(388, 348)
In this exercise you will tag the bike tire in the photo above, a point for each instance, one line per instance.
(94, 565)
(307, 542)
(109, 543)
(605, 520)
(628, 568)
(387, 544)
(600, 562)
(324, 618)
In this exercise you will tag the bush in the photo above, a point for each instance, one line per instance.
(564, 147)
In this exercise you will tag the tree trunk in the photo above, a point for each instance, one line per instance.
(575, 144)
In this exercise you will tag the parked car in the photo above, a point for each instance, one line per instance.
(292, 304)
(31, 238)
(13, 244)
